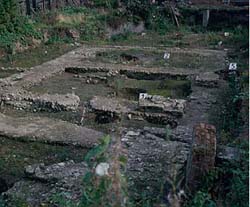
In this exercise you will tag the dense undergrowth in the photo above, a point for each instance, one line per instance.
(15, 27)
(227, 185)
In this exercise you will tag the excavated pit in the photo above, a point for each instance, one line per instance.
(135, 87)
(64, 88)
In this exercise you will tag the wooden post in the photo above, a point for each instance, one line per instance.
(205, 15)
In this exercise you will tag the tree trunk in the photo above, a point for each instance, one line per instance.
(34, 5)
(49, 5)
(28, 11)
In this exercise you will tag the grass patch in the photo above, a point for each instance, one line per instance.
(7, 73)
(35, 56)
(14, 156)
(152, 58)
(150, 39)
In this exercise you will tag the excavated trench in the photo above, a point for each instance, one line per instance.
(113, 85)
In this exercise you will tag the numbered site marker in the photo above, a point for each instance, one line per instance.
(166, 56)
(143, 96)
(232, 66)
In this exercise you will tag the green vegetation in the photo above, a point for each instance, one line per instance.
(99, 190)
(88, 22)
(95, 188)
(14, 27)
(35, 56)
(227, 185)
(8, 15)
(97, 154)
(19, 32)
(228, 117)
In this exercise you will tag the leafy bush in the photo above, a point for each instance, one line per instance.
(97, 154)
(95, 190)
(22, 33)
(93, 28)
(120, 37)
(159, 20)
(237, 174)
(8, 15)
(156, 18)
(93, 25)
(202, 199)
(227, 117)
(115, 18)
(240, 38)
(139, 8)
(14, 27)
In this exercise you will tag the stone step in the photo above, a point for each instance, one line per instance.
(48, 131)
(112, 105)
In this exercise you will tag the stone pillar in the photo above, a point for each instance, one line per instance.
(202, 155)
(205, 15)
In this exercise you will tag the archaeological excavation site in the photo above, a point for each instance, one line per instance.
(122, 103)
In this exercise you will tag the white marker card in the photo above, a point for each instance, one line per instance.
(232, 66)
